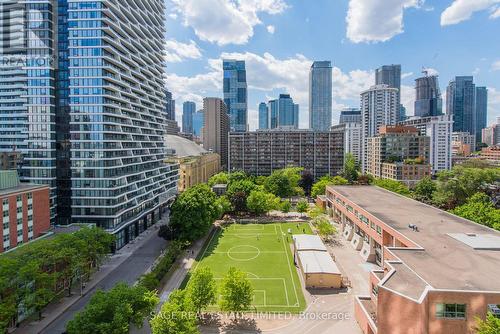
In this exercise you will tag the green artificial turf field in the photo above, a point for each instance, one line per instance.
(263, 252)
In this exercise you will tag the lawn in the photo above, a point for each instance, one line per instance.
(263, 252)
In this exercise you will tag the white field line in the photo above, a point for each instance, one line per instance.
(290, 268)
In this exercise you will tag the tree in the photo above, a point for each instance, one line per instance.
(193, 212)
(238, 191)
(175, 317)
(306, 182)
(260, 202)
(114, 311)
(319, 188)
(236, 292)
(286, 206)
(284, 182)
(224, 205)
(424, 190)
(479, 208)
(489, 326)
(325, 229)
(392, 185)
(201, 289)
(350, 172)
(237, 176)
(302, 206)
(37, 286)
(220, 178)
(149, 281)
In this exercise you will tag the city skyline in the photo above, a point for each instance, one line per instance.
(276, 64)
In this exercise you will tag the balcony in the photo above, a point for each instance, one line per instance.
(365, 312)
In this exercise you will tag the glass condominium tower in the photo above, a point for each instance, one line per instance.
(96, 121)
(235, 93)
(320, 96)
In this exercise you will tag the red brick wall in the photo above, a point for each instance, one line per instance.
(41, 212)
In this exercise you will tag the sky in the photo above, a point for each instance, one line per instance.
(279, 40)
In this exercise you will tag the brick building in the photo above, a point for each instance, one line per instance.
(25, 210)
(437, 272)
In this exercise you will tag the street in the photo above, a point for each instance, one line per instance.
(128, 271)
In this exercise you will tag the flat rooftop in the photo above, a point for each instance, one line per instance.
(456, 253)
(317, 262)
(308, 242)
(22, 187)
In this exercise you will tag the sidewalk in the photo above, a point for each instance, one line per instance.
(56, 309)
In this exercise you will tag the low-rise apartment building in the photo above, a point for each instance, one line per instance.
(437, 272)
(263, 151)
(25, 210)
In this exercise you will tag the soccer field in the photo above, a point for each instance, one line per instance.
(263, 252)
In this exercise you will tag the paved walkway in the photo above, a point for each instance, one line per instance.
(52, 312)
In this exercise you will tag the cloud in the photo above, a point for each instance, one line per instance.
(495, 66)
(493, 105)
(430, 71)
(406, 75)
(408, 99)
(376, 20)
(271, 76)
(271, 29)
(226, 21)
(462, 10)
(173, 16)
(176, 51)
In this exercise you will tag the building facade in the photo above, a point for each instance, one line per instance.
(25, 211)
(216, 128)
(97, 112)
(416, 274)
(390, 75)
(320, 96)
(288, 112)
(188, 111)
(263, 116)
(399, 153)
(198, 123)
(461, 103)
(350, 115)
(379, 107)
(428, 100)
(461, 139)
(352, 138)
(235, 93)
(491, 134)
(169, 105)
(262, 152)
(438, 129)
(481, 111)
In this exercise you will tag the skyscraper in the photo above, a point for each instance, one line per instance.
(198, 118)
(97, 114)
(461, 103)
(170, 105)
(481, 111)
(428, 100)
(288, 112)
(273, 113)
(379, 106)
(320, 96)
(235, 93)
(216, 128)
(391, 75)
(263, 116)
(188, 110)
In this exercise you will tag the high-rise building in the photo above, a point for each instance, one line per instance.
(188, 110)
(350, 115)
(401, 113)
(273, 108)
(97, 114)
(235, 93)
(216, 128)
(438, 129)
(379, 106)
(399, 153)
(288, 112)
(198, 123)
(262, 152)
(390, 75)
(263, 116)
(170, 105)
(428, 100)
(461, 103)
(481, 111)
(352, 138)
(320, 96)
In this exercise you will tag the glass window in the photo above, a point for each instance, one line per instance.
(454, 311)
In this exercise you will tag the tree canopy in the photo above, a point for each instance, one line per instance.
(489, 326)
(319, 188)
(260, 202)
(220, 178)
(394, 186)
(201, 289)
(193, 212)
(479, 208)
(236, 292)
(284, 182)
(351, 169)
(176, 316)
